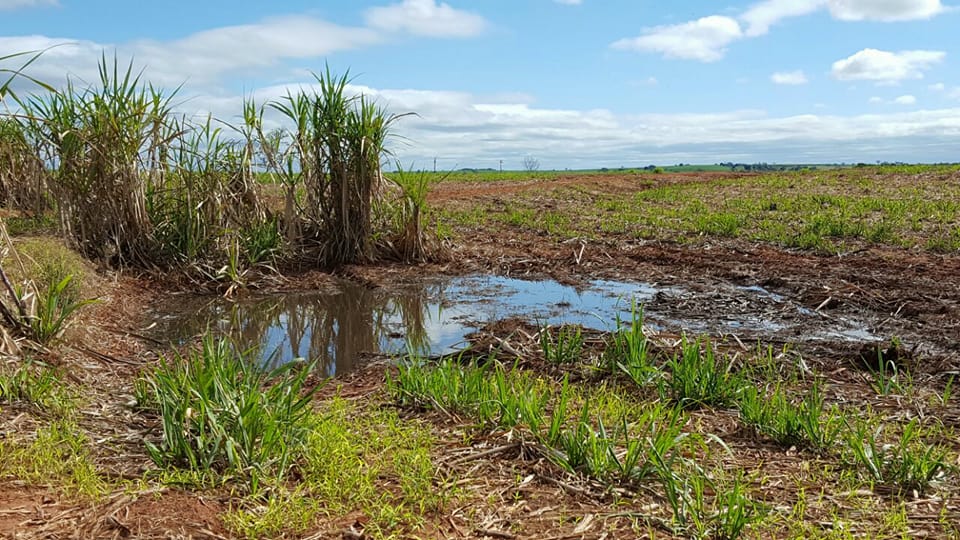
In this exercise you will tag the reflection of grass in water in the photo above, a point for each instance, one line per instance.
(334, 328)
(414, 315)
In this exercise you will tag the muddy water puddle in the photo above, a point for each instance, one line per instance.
(343, 325)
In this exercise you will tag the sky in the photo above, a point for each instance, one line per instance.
(572, 83)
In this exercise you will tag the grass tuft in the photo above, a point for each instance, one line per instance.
(221, 413)
(701, 378)
(565, 347)
(906, 466)
(628, 351)
(802, 424)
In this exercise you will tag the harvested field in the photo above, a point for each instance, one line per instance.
(792, 375)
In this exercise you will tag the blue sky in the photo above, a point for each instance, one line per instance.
(575, 84)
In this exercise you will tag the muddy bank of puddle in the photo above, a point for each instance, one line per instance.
(342, 325)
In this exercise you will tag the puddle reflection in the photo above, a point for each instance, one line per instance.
(341, 325)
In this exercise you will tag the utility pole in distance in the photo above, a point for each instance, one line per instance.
(501, 165)
(434, 164)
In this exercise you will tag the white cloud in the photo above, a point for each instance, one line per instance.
(938, 87)
(789, 77)
(468, 130)
(760, 17)
(906, 99)
(603, 137)
(885, 10)
(569, 2)
(61, 58)
(426, 18)
(14, 4)
(200, 58)
(885, 66)
(704, 39)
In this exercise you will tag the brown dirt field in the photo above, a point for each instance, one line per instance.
(514, 493)
(164, 514)
(471, 192)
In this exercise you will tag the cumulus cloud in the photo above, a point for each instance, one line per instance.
(604, 137)
(207, 56)
(704, 39)
(884, 66)
(62, 58)
(470, 130)
(426, 18)
(14, 4)
(202, 57)
(938, 87)
(760, 17)
(569, 2)
(885, 10)
(794, 78)
(709, 36)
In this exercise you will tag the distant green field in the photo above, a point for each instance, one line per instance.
(491, 175)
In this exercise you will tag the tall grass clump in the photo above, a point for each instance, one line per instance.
(407, 238)
(96, 139)
(22, 174)
(203, 197)
(220, 413)
(134, 184)
(23, 178)
(329, 165)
